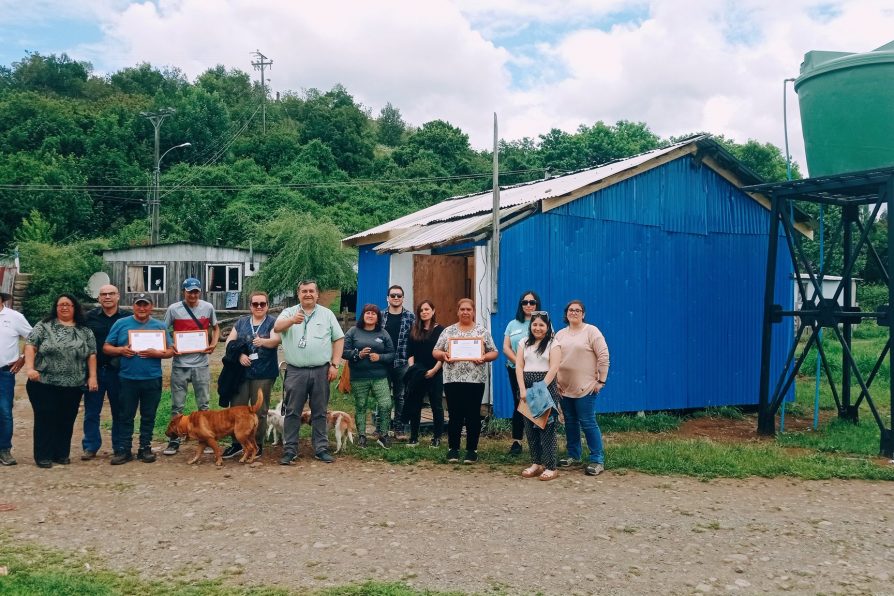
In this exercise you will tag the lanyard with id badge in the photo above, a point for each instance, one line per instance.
(302, 343)
(254, 333)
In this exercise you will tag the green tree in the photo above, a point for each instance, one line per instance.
(51, 74)
(55, 269)
(301, 247)
(390, 126)
(34, 228)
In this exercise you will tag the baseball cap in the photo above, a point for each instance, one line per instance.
(191, 283)
(142, 297)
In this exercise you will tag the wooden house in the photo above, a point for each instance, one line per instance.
(160, 269)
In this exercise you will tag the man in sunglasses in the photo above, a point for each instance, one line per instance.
(398, 321)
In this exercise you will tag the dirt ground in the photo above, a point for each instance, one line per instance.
(453, 527)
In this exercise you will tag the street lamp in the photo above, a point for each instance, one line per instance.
(156, 201)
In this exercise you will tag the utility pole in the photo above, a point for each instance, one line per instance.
(261, 63)
(156, 118)
(495, 236)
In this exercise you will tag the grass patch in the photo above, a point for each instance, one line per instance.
(730, 412)
(708, 459)
(37, 571)
(837, 436)
(658, 422)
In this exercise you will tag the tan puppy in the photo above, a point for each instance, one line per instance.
(209, 425)
(342, 422)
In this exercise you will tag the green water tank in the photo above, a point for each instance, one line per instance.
(847, 110)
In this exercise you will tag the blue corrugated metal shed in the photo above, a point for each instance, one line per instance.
(669, 259)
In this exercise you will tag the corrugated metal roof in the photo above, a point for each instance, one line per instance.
(437, 234)
(521, 194)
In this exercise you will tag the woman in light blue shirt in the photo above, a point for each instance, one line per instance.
(516, 330)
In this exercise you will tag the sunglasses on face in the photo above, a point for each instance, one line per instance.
(540, 313)
(395, 295)
(529, 303)
(259, 304)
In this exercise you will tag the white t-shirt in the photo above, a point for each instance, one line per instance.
(13, 325)
(535, 362)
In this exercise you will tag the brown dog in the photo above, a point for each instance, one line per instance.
(341, 422)
(209, 425)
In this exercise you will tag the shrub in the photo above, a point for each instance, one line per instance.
(57, 268)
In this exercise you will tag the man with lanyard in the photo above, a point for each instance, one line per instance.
(191, 314)
(12, 326)
(398, 321)
(312, 342)
(140, 380)
(100, 321)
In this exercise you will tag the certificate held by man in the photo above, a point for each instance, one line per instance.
(140, 341)
(190, 342)
(465, 348)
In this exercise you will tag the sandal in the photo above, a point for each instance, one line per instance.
(549, 475)
(533, 471)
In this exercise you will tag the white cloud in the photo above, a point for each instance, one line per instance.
(687, 65)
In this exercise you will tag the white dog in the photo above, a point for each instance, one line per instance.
(341, 422)
(275, 424)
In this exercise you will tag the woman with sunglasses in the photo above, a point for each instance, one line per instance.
(60, 361)
(515, 331)
(255, 331)
(538, 359)
(582, 374)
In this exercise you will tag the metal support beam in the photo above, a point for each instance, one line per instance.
(766, 421)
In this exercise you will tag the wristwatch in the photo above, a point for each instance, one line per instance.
(333, 364)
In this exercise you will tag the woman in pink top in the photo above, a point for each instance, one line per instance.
(582, 374)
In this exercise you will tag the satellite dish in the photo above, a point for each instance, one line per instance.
(96, 281)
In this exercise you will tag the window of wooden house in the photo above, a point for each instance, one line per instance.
(224, 278)
(146, 278)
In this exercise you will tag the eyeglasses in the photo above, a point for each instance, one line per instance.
(108, 293)
(529, 303)
(65, 306)
(574, 311)
(395, 295)
(259, 304)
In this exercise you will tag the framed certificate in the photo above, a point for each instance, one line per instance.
(465, 348)
(141, 340)
(190, 342)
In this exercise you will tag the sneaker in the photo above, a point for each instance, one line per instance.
(88, 455)
(412, 443)
(384, 441)
(324, 457)
(232, 451)
(471, 457)
(516, 448)
(172, 448)
(122, 457)
(6, 458)
(62, 461)
(453, 456)
(435, 443)
(567, 462)
(208, 451)
(361, 441)
(287, 459)
(145, 455)
(595, 469)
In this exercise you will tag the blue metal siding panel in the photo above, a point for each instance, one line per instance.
(373, 272)
(681, 312)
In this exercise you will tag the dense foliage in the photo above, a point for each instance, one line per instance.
(75, 149)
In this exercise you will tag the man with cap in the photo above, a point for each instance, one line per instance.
(139, 377)
(100, 321)
(12, 326)
(191, 314)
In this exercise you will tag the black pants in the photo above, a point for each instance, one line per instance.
(55, 410)
(145, 395)
(518, 421)
(464, 407)
(413, 407)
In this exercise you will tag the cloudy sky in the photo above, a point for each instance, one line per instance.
(681, 66)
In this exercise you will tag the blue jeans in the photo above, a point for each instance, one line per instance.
(108, 383)
(580, 413)
(7, 387)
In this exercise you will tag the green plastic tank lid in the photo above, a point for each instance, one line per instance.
(818, 62)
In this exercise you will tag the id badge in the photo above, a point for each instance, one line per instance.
(302, 343)
(253, 356)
